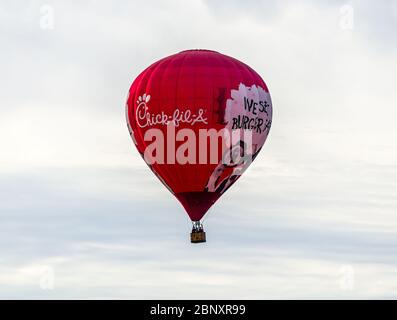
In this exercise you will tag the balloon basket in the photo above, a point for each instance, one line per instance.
(197, 237)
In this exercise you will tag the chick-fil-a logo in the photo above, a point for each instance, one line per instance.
(145, 118)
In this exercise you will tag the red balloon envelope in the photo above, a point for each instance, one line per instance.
(198, 118)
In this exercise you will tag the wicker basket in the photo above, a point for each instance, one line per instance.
(197, 237)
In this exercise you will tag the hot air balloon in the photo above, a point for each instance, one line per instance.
(198, 118)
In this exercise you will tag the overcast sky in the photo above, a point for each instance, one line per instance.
(81, 216)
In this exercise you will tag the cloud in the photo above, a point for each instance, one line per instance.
(78, 200)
